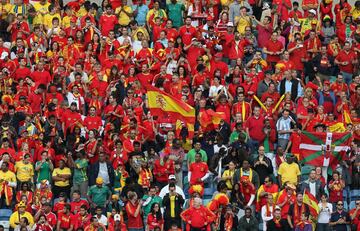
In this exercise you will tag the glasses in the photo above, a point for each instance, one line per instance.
(266, 181)
(340, 204)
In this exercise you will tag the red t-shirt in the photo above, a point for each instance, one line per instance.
(35, 101)
(186, 34)
(108, 23)
(41, 77)
(92, 122)
(133, 222)
(255, 125)
(272, 46)
(198, 170)
(51, 218)
(21, 72)
(65, 220)
(75, 205)
(346, 57)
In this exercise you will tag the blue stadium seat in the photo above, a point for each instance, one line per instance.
(5, 214)
(346, 206)
(352, 205)
(206, 202)
(354, 194)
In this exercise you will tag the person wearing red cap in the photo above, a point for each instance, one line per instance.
(217, 64)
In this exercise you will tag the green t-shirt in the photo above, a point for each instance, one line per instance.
(147, 208)
(99, 195)
(191, 156)
(175, 13)
(44, 173)
(80, 171)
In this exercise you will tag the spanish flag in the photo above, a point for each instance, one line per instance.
(160, 102)
(311, 201)
(210, 117)
(6, 192)
(347, 118)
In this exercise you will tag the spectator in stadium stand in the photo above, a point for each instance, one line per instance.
(339, 218)
(289, 171)
(172, 203)
(248, 221)
(313, 185)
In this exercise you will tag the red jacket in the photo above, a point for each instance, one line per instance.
(239, 53)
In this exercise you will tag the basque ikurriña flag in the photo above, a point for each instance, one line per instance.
(323, 148)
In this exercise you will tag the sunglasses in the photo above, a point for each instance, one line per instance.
(340, 204)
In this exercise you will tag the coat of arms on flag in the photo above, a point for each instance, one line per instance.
(323, 148)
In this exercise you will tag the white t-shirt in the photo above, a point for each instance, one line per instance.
(325, 213)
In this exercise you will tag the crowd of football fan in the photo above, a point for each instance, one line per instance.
(82, 150)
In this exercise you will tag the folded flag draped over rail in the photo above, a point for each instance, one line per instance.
(323, 149)
(160, 103)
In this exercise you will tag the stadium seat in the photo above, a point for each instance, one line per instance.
(5, 223)
(305, 171)
(354, 194)
(5, 214)
(346, 206)
(206, 202)
(352, 205)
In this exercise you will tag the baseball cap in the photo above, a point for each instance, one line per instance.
(4, 55)
(230, 24)
(172, 177)
(312, 11)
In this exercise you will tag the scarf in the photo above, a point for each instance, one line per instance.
(228, 222)
(277, 222)
(297, 215)
(268, 210)
(250, 173)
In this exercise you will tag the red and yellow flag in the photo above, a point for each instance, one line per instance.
(210, 117)
(6, 192)
(311, 201)
(160, 102)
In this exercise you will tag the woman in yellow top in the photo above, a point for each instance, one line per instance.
(228, 175)
(61, 177)
(16, 217)
(243, 20)
(154, 13)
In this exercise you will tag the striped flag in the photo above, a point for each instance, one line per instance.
(161, 103)
(210, 117)
(323, 149)
(311, 201)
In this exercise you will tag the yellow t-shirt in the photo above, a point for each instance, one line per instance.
(81, 12)
(48, 20)
(289, 172)
(227, 173)
(355, 13)
(124, 19)
(65, 171)
(5, 9)
(243, 22)
(24, 172)
(15, 217)
(9, 176)
(66, 22)
(41, 11)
